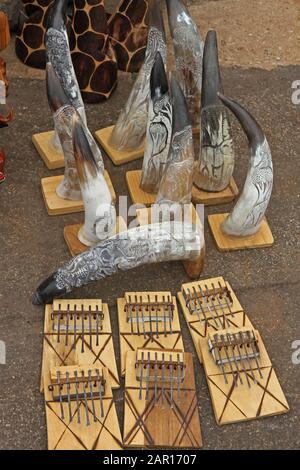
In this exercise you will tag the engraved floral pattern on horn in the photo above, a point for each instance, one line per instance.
(159, 128)
(216, 155)
(188, 48)
(130, 129)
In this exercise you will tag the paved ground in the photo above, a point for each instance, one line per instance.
(32, 246)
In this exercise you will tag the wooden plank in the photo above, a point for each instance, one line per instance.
(199, 328)
(138, 196)
(102, 432)
(117, 157)
(261, 239)
(55, 205)
(74, 244)
(134, 337)
(77, 350)
(153, 422)
(214, 198)
(52, 158)
(234, 404)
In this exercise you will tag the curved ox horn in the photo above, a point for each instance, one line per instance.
(247, 214)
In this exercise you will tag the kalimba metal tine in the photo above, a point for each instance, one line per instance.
(100, 393)
(217, 353)
(228, 359)
(170, 316)
(143, 318)
(236, 359)
(67, 324)
(92, 394)
(256, 360)
(69, 396)
(62, 415)
(85, 401)
(75, 318)
(171, 380)
(77, 396)
(247, 356)
(150, 318)
(130, 314)
(82, 328)
(90, 325)
(197, 301)
(162, 380)
(97, 325)
(165, 322)
(155, 378)
(156, 313)
(58, 323)
(141, 376)
(136, 309)
(220, 305)
(239, 358)
(226, 300)
(148, 377)
(215, 317)
(178, 377)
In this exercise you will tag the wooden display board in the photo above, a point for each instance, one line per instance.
(252, 390)
(52, 158)
(261, 239)
(74, 244)
(162, 334)
(80, 410)
(116, 156)
(213, 313)
(86, 339)
(138, 196)
(56, 205)
(160, 413)
(209, 198)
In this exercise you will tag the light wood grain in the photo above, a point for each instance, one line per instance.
(116, 156)
(160, 425)
(261, 239)
(233, 404)
(55, 205)
(214, 198)
(74, 244)
(52, 158)
(138, 196)
(66, 434)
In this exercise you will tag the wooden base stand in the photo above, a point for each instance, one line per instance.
(212, 199)
(116, 156)
(55, 205)
(261, 239)
(74, 244)
(257, 396)
(138, 196)
(51, 157)
(160, 412)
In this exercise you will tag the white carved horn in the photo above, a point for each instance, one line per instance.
(100, 213)
(154, 243)
(248, 212)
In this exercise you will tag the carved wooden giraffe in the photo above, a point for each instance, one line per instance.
(91, 51)
(128, 29)
(98, 47)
